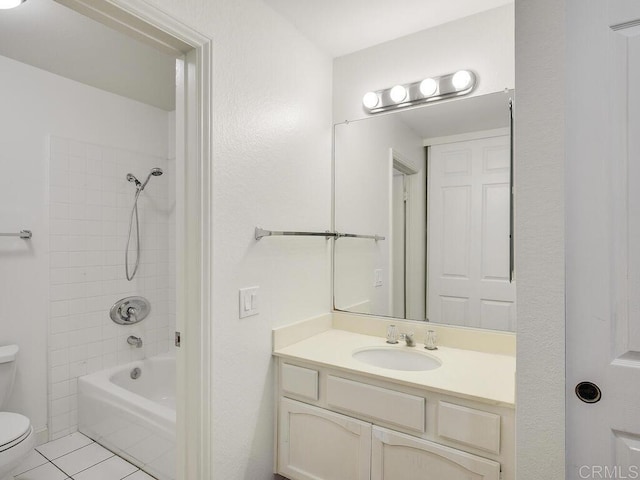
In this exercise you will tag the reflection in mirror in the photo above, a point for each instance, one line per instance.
(435, 182)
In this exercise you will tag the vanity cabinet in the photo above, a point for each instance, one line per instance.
(314, 443)
(336, 425)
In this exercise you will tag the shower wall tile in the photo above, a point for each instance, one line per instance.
(90, 204)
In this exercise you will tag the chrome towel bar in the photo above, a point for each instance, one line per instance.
(21, 234)
(261, 232)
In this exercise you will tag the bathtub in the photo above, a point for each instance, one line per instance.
(134, 418)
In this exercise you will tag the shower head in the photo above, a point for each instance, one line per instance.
(132, 178)
(156, 172)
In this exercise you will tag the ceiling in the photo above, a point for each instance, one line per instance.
(459, 115)
(340, 27)
(52, 37)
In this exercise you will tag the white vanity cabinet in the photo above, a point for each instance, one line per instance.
(314, 443)
(337, 425)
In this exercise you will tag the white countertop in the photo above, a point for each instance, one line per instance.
(484, 377)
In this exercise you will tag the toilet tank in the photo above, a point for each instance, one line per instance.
(8, 355)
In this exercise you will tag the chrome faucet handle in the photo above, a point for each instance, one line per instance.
(408, 337)
(131, 315)
(392, 334)
(134, 341)
(431, 340)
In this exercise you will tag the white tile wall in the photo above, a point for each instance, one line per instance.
(90, 204)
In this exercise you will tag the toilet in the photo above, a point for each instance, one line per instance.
(17, 439)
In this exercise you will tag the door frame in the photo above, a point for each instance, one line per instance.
(413, 261)
(194, 235)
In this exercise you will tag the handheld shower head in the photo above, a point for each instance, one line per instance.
(132, 178)
(156, 172)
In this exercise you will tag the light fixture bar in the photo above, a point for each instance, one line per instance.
(430, 89)
(8, 4)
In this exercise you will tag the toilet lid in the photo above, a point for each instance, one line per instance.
(13, 428)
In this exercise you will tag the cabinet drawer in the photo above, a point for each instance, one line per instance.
(299, 381)
(377, 403)
(469, 426)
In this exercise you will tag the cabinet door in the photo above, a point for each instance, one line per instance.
(315, 444)
(395, 455)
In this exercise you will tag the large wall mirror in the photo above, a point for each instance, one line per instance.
(435, 182)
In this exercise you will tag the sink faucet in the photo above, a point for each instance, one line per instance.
(408, 337)
(133, 340)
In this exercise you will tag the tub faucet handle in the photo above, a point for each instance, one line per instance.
(133, 340)
(131, 315)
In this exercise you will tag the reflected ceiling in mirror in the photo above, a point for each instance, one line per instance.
(435, 182)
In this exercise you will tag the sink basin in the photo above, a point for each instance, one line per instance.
(395, 359)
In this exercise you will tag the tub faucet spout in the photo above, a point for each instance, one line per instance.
(133, 340)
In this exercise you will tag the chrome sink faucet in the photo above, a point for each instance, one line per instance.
(408, 337)
(133, 340)
(393, 335)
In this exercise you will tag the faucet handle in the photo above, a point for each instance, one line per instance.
(430, 342)
(392, 334)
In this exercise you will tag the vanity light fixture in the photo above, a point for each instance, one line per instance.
(398, 94)
(461, 79)
(370, 100)
(7, 4)
(430, 89)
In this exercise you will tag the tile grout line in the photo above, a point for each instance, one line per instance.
(56, 466)
(70, 451)
(85, 469)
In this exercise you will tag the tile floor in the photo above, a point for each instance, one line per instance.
(76, 457)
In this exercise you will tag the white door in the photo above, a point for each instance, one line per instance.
(468, 234)
(397, 456)
(315, 444)
(603, 239)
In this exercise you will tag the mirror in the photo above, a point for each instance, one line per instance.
(434, 181)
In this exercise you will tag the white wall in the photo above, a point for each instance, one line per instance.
(271, 166)
(36, 104)
(483, 43)
(363, 202)
(539, 158)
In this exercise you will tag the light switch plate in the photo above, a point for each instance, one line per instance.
(249, 301)
(377, 278)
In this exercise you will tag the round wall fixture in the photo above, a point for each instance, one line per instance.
(7, 4)
(130, 310)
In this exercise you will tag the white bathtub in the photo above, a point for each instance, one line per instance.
(136, 419)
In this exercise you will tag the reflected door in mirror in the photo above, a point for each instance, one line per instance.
(468, 235)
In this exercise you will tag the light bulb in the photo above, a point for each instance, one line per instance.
(370, 100)
(428, 87)
(461, 80)
(7, 4)
(398, 93)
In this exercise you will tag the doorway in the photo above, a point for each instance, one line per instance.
(193, 190)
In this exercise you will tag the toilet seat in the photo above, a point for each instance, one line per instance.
(14, 428)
